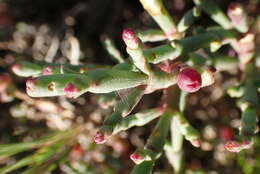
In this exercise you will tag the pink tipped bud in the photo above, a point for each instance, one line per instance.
(238, 16)
(70, 90)
(16, 67)
(233, 146)
(47, 71)
(99, 138)
(189, 80)
(163, 108)
(196, 143)
(30, 85)
(247, 144)
(130, 38)
(136, 158)
(226, 134)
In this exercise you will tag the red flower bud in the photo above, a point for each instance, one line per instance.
(189, 80)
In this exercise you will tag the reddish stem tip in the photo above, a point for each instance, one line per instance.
(30, 84)
(235, 8)
(136, 157)
(70, 90)
(47, 71)
(16, 67)
(130, 38)
(128, 34)
(99, 138)
(189, 80)
(196, 143)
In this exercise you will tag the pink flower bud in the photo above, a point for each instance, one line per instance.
(137, 158)
(70, 90)
(99, 138)
(189, 80)
(130, 38)
(16, 68)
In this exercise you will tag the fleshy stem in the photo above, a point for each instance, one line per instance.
(162, 17)
(28, 69)
(112, 50)
(212, 9)
(154, 55)
(188, 19)
(135, 50)
(154, 145)
(152, 35)
(174, 150)
(122, 109)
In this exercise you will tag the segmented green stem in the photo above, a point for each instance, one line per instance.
(112, 50)
(151, 35)
(160, 14)
(188, 19)
(154, 145)
(212, 9)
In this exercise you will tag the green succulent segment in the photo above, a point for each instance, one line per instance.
(54, 85)
(249, 123)
(187, 45)
(138, 119)
(212, 9)
(138, 57)
(155, 143)
(225, 63)
(190, 133)
(154, 55)
(28, 69)
(105, 81)
(96, 81)
(161, 53)
(113, 122)
(188, 19)
(160, 14)
(145, 167)
(249, 104)
(151, 35)
(236, 91)
(193, 43)
(112, 50)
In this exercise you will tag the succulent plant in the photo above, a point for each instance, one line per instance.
(159, 68)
